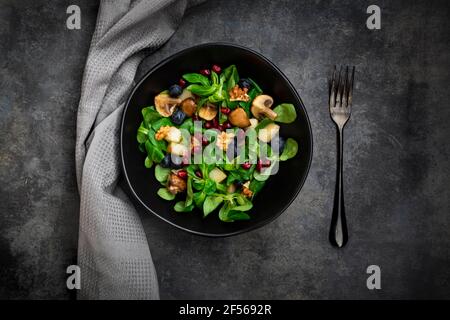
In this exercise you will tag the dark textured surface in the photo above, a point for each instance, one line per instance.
(396, 161)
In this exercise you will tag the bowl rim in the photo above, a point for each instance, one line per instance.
(161, 64)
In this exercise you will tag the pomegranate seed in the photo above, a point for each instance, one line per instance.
(195, 117)
(215, 123)
(182, 83)
(216, 68)
(205, 72)
(246, 165)
(259, 166)
(204, 141)
(266, 163)
(182, 174)
(198, 173)
(208, 125)
(220, 127)
(225, 110)
(227, 125)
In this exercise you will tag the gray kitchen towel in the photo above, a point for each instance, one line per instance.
(113, 253)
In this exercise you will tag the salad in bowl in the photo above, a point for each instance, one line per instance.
(213, 141)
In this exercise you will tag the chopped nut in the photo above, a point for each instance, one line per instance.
(239, 94)
(247, 192)
(169, 133)
(176, 184)
(224, 139)
(162, 133)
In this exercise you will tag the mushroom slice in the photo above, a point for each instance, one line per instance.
(261, 107)
(238, 117)
(165, 104)
(186, 94)
(188, 106)
(208, 112)
(176, 184)
(267, 133)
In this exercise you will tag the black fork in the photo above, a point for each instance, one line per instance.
(340, 103)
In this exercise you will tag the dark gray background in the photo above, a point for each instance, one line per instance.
(396, 161)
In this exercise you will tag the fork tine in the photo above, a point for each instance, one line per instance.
(339, 89)
(345, 89)
(333, 89)
(350, 88)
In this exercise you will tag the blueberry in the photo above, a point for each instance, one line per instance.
(238, 184)
(244, 83)
(178, 116)
(176, 162)
(175, 91)
(166, 162)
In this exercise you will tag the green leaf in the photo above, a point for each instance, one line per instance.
(196, 78)
(255, 85)
(160, 123)
(211, 203)
(199, 198)
(262, 124)
(237, 215)
(245, 205)
(223, 212)
(188, 125)
(165, 194)
(198, 184)
(210, 187)
(155, 154)
(231, 76)
(201, 102)
(189, 197)
(221, 187)
(229, 166)
(256, 186)
(285, 113)
(161, 174)
(222, 118)
(246, 105)
(214, 78)
(202, 90)
(180, 206)
(220, 94)
(148, 163)
(150, 115)
(142, 133)
(290, 149)
(232, 176)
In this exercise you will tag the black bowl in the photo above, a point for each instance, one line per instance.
(280, 190)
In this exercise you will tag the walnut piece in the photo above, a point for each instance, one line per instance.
(246, 192)
(162, 133)
(176, 184)
(239, 94)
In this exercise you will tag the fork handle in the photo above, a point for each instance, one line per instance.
(338, 230)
